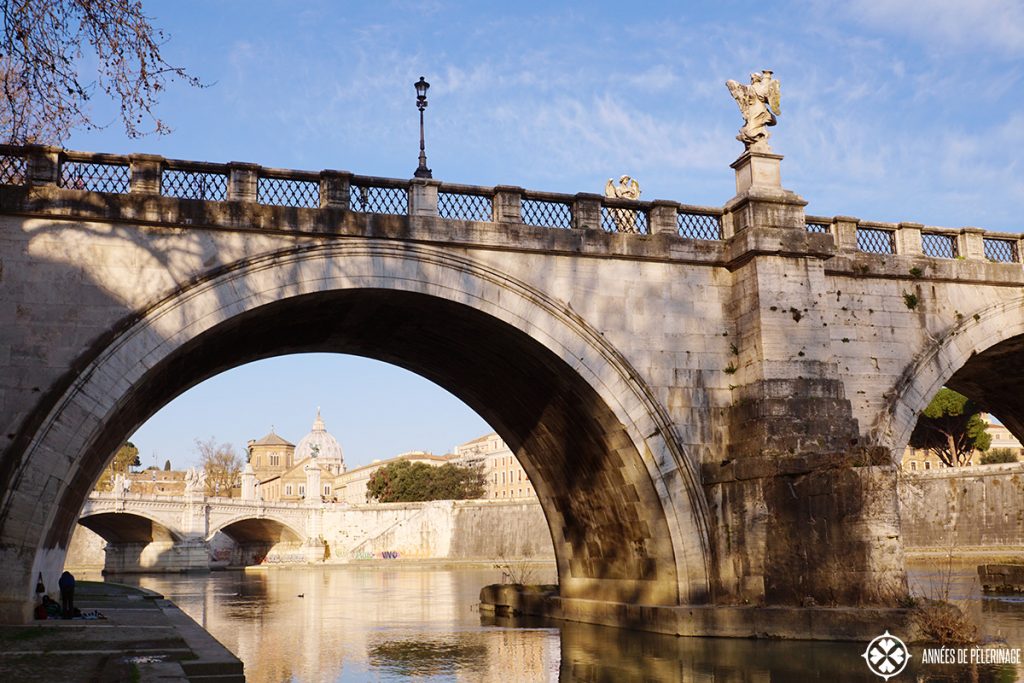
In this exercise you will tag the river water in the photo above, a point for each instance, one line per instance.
(383, 623)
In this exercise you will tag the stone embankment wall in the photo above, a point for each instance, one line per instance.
(963, 511)
(439, 530)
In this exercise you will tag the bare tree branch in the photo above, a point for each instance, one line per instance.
(44, 95)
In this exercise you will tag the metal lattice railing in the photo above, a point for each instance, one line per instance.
(546, 214)
(938, 246)
(699, 226)
(824, 228)
(464, 207)
(876, 241)
(1001, 251)
(95, 177)
(194, 185)
(377, 199)
(13, 170)
(615, 219)
(288, 192)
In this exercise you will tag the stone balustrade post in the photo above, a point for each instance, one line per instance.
(664, 218)
(508, 204)
(43, 164)
(908, 239)
(146, 173)
(335, 189)
(423, 196)
(586, 211)
(845, 228)
(243, 181)
(971, 243)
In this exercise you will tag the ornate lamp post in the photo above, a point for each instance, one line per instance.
(421, 103)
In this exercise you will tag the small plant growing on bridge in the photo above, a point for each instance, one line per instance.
(938, 619)
(515, 571)
(910, 300)
(916, 272)
(730, 369)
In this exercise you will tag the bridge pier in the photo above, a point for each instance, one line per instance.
(805, 514)
(157, 557)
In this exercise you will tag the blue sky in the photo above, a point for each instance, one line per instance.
(891, 110)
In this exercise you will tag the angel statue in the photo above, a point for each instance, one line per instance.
(625, 219)
(195, 480)
(759, 104)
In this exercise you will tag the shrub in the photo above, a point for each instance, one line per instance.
(999, 455)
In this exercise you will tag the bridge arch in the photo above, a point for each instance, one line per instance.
(129, 527)
(972, 359)
(252, 528)
(623, 500)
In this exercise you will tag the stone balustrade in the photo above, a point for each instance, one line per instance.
(144, 174)
(242, 182)
(915, 239)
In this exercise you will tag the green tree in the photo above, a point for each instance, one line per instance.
(167, 465)
(43, 44)
(407, 482)
(222, 464)
(999, 455)
(951, 427)
(127, 457)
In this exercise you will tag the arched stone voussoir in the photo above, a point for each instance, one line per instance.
(569, 403)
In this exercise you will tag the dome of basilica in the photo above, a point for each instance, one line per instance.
(320, 444)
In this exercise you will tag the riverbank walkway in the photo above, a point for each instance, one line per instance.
(142, 637)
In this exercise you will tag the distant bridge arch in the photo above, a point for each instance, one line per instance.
(249, 529)
(129, 527)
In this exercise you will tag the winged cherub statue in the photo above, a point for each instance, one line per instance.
(759, 104)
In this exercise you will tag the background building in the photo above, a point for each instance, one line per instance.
(504, 477)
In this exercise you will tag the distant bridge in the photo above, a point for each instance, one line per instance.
(161, 533)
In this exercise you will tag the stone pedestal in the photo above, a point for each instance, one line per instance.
(146, 170)
(760, 199)
(423, 197)
(757, 169)
(248, 483)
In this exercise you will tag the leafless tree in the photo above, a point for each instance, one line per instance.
(222, 464)
(44, 94)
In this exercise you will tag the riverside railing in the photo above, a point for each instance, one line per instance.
(143, 174)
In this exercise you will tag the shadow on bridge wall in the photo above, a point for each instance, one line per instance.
(254, 542)
(136, 544)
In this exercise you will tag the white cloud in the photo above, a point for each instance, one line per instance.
(968, 25)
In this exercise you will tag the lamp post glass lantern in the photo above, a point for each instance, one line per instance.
(421, 103)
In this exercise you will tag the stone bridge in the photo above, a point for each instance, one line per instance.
(708, 400)
(158, 533)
